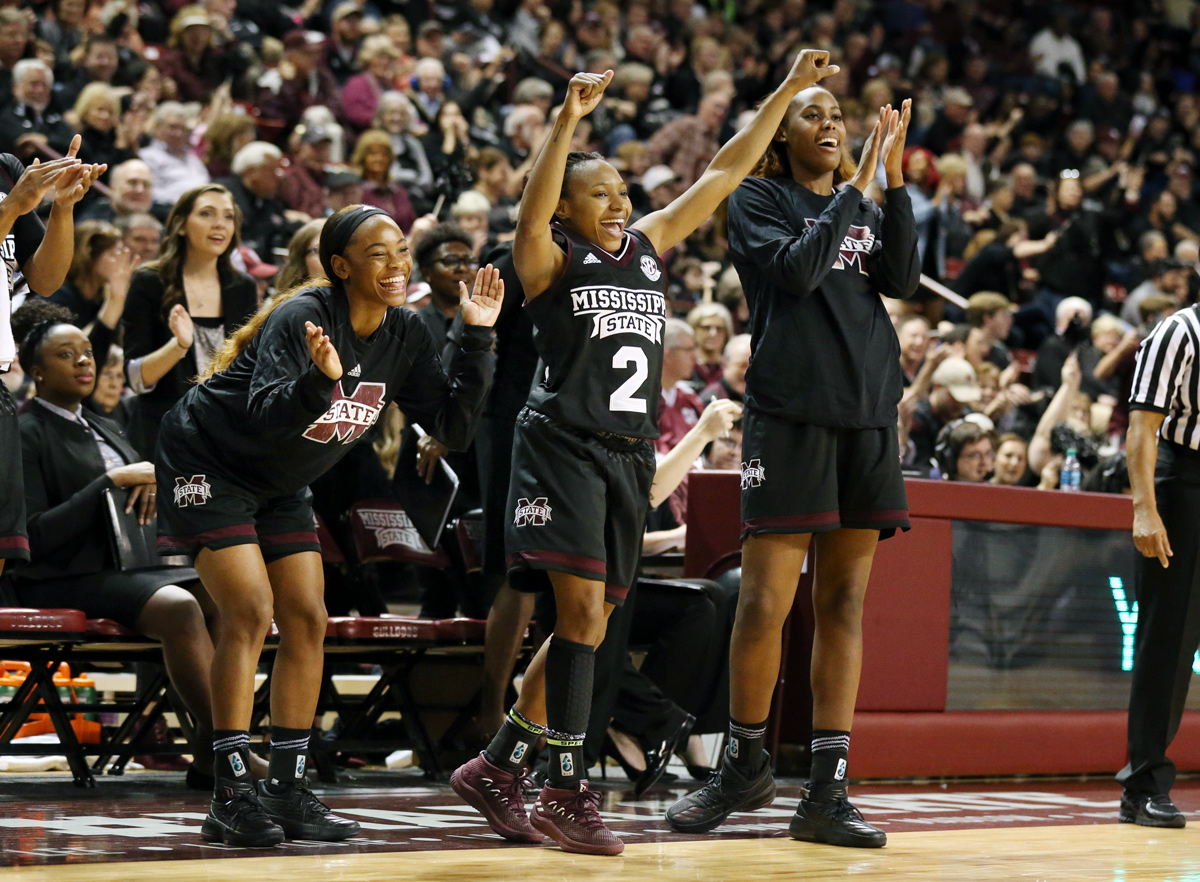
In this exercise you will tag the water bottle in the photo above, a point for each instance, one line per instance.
(1069, 476)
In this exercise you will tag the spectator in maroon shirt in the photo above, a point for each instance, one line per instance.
(194, 60)
(300, 82)
(678, 407)
(304, 181)
(372, 160)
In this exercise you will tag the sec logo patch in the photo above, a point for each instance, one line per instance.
(650, 268)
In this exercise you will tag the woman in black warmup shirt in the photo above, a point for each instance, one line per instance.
(819, 448)
(287, 396)
(582, 464)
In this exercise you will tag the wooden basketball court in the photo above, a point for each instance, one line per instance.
(146, 826)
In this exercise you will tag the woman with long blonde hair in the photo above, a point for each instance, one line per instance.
(283, 401)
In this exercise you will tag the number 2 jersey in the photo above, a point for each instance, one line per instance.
(273, 422)
(599, 337)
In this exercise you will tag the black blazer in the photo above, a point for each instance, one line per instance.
(65, 481)
(146, 330)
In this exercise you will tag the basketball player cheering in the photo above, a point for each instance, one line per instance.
(287, 396)
(582, 459)
(819, 443)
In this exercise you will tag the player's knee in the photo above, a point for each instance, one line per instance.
(306, 624)
(760, 611)
(172, 613)
(840, 608)
(248, 619)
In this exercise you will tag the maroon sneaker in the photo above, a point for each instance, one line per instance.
(497, 795)
(572, 819)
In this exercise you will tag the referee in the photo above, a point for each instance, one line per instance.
(1165, 476)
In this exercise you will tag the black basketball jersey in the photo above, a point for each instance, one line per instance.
(599, 337)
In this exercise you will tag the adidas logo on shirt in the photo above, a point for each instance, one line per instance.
(355, 371)
(591, 258)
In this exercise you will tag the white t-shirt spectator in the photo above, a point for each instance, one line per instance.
(1048, 51)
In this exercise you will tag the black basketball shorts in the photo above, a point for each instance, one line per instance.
(576, 504)
(14, 541)
(801, 478)
(200, 507)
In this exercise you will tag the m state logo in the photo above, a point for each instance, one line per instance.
(858, 244)
(753, 474)
(192, 491)
(392, 527)
(616, 310)
(650, 268)
(348, 416)
(532, 514)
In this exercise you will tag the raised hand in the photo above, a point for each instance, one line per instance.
(810, 67)
(869, 163)
(892, 150)
(584, 93)
(181, 327)
(322, 351)
(482, 305)
(31, 188)
(718, 418)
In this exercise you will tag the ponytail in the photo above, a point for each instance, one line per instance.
(237, 342)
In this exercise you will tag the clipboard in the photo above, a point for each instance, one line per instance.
(428, 505)
(134, 545)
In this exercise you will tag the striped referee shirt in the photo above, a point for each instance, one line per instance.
(1167, 377)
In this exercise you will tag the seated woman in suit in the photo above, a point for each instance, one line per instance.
(71, 455)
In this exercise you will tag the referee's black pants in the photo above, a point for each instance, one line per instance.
(1168, 625)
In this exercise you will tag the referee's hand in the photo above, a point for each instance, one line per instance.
(1150, 535)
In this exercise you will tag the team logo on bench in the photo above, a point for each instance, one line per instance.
(192, 491)
(532, 513)
(393, 527)
(753, 474)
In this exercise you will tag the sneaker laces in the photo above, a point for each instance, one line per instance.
(844, 810)
(243, 802)
(511, 790)
(309, 802)
(584, 808)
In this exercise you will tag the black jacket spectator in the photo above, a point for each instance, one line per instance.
(146, 330)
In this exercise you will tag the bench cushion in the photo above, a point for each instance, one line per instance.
(388, 629)
(37, 624)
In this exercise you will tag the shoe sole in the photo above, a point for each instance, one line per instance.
(714, 823)
(313, 833)
(566, 843)
(1125, 818)
(479, 802)
(214, 831)
(817, 834)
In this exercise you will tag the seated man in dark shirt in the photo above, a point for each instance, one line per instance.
(29, 121)
(732, 384)
(255, 182)
(954, 389)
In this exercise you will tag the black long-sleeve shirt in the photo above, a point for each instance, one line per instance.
(273, 421)
(813, 267)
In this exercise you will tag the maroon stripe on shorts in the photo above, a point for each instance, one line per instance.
(790, 522)
(554, 560)
(14, 542)
(900, 514)
(620, 592)
(301, 537)
(208, 536)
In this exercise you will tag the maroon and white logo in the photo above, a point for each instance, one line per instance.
(393, 527)
(349, 416)
(533, 513)
(753, 474)
(858, 244)
(192, 491)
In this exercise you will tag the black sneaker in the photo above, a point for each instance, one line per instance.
(1150, 810)
(236, 817)
(727, 791)
(303, 816)
(831, 819)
